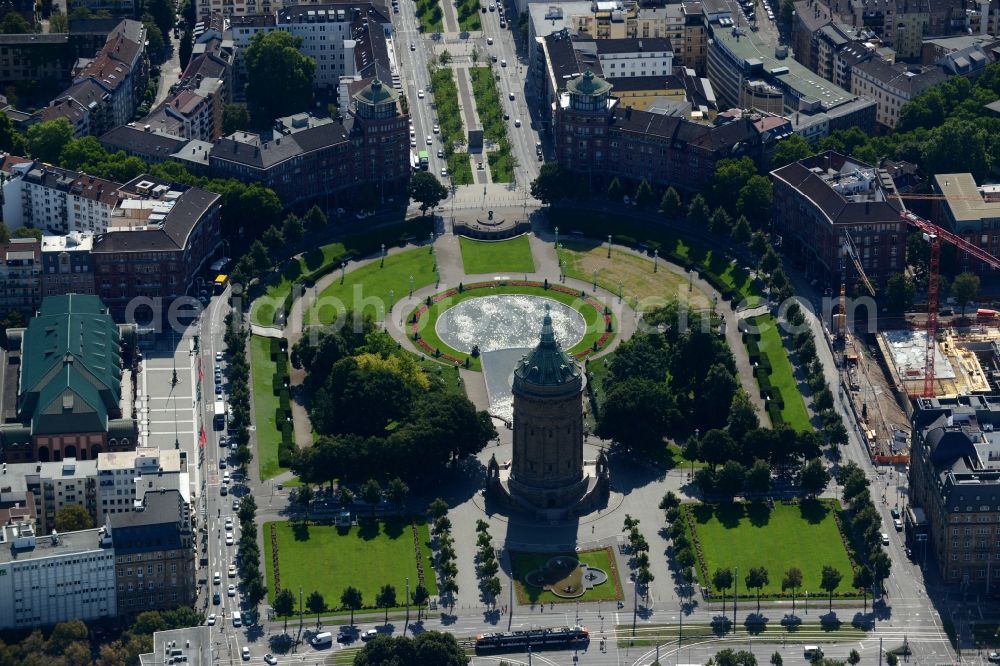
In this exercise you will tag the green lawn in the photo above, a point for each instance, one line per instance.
(367, 288)
(280, 283)
(509, 256)
(593, 318)
(794, 412)
(430, 14)
(789, 535)
(327, 559)
(727, 274)
(468, 15)
(490, 110)
(265, 405)
(449, 117)
(525, 563)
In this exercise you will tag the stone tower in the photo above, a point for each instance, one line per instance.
(547, 464)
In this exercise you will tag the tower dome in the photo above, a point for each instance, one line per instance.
(547, 369)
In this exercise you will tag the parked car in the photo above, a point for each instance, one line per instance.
(369, 635)
(245, 651)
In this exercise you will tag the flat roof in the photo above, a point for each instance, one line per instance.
(750, 49)
(963, 198)
(68, 543)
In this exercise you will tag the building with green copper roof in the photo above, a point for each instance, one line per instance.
(69, 387)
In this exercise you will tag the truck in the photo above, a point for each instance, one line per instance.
(219, 420)
(424, 160)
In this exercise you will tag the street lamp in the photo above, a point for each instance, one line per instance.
(411, 286)
(595, 280)
(609, 246)
(432, 242)
(343, 272)
(557, 238)
(392, 299)
(656, 254)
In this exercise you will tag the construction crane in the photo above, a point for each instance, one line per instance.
(848, 249)
(934, 234)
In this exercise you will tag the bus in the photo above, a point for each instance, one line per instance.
(219, 420)
(424, 160)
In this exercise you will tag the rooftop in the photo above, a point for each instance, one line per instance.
(160, 507)
(755, 54)
(70, 468)
(910, 80)
(194, 644)
(76, 241)
(137, 139)
(966, 201)
(62, 545)
(169, 459)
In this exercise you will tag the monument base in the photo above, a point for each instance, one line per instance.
(578, 499)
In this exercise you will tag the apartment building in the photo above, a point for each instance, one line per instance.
(45, 580)
(20, 270)
(59, 200)
(955, 482)
(66, 264)
(54, 486)
(35, 57)
(160, 237)
(599, 139)
(124, 478)
(155, 567)
(345, 39)
(820, 200)
(370, 148)
(892, 86)
(85, 105)
(972, 212)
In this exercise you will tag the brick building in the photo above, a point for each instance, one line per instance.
(819, 199)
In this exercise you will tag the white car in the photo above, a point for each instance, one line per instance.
(211, 620)
(229, 539)
(885, 539)
(232, 571)
(229, 524)
(225, 478)
(444, 171)
(270, 659)
(420, 93)
(216, 578)
(231, 591)
(437, 128)
(218, 356)
(412, 47)
(517, 122)
(245, 652)
(489, 41)
(369, 635)
(413, 143)
(503, 63)
(510, 96)
(236, 505)
(429, 140)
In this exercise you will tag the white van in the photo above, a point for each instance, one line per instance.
(810, 651)
(322, 639)
(237, 619)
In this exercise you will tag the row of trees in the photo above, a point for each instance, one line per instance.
(377, 409)
(733, 478)
(351, 598)
(730, 657)
(863, 522)
(274, 244)
(486, 563)
(428, 647)
(639, 549)
(447, 570)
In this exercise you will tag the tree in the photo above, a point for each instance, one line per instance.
(371, 491)
(73, 518)
(15, 24)
(756, 579)
(863, 580)
(397, 492)
(891, 659)
(829, 581)
(853, 658)
(790, 149)
(444, 58)
(420, 596)
(274, 242)
(965, 288)
(776, 659)
(292, 230)
(184, 53)
(730, 175)
(386, 598)
(637, 413)
(615, 190)
(814, 477)
(280, 79)
(670, 204)
(722, 580)
(47, 140)
(741, 230)
(428, 647)
(730, 657)
(792, 581)
(154, 36)
(754, 200)
(235, 117)
(58, 23)
(284, 604)
(162, 13)
(350, 599)
(316, 604)
(697, 212)
(899, 291)
(437, 509)
(730, 479)
(492, 588)
(315, 219)
(11, 141)
(720, 221)
(758, 478)
(670, 501)
(643, 194)
(427, 190)
(304, 498)
(770, 261)
(552, 184)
